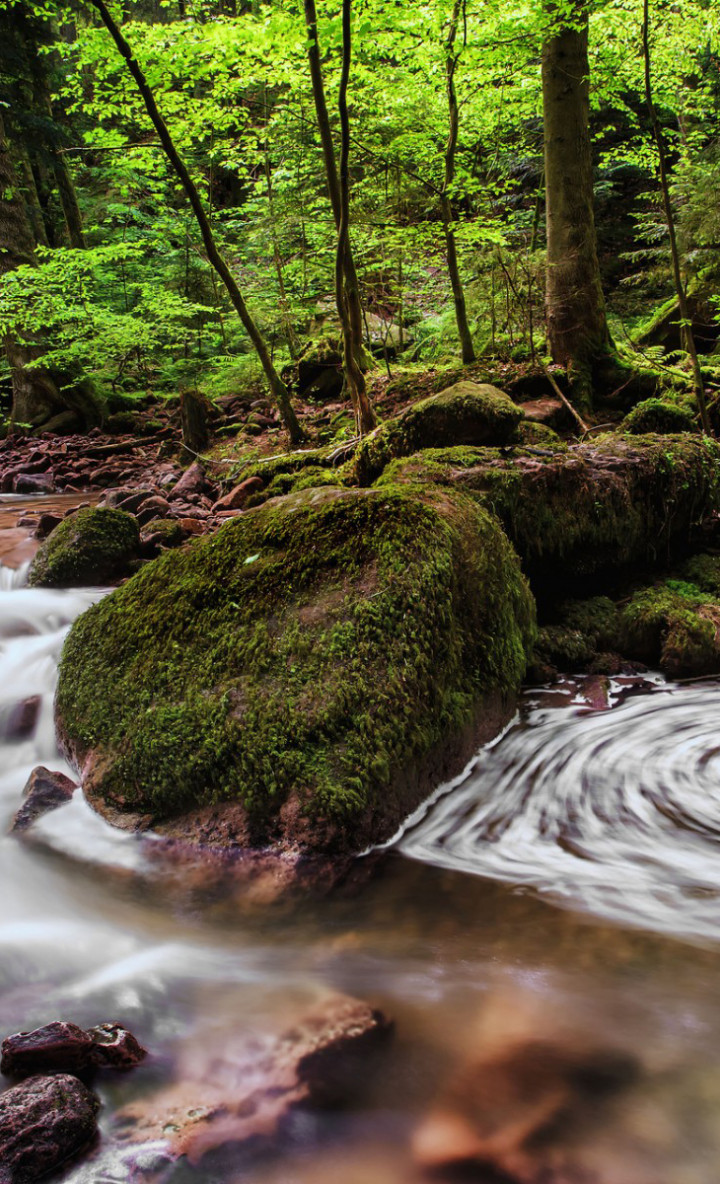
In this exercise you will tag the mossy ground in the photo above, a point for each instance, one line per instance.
(308, 650)
(92, 546)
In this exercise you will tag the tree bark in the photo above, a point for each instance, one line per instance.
(40, 395)
(352, 344)
(577, 327)
(350, 277)
(685, 318)
(277, 386)
(466, 343)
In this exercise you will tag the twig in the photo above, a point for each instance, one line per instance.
(563, 398)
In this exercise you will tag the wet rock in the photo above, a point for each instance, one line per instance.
(45, 790)
(244, 1095)
(34, 483)
(115, 1048)
(502, 1113)
(236, 498)
(59, 1047)
(134, 501)
(44, 1121)
(47, 524)
(62, 1047)
(23, 718)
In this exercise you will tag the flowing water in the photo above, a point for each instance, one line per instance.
(565, 889)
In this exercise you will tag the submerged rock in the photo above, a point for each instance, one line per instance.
(315, 667)
(245, 1093)
(91, 547)
(44, 1121)
(466, 413)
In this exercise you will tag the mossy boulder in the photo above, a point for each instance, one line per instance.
(167, 532)
(585, 632)
(588, 510)
(466, 413)
(674, 626)
(90, 548)
(311, 667)
(704, 572)
(659, 416)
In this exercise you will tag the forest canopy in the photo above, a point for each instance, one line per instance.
(109, 282)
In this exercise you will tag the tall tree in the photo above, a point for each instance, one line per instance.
(215, 257)
(451, 60)
(349, 303)
(42, 398)
(577, 327)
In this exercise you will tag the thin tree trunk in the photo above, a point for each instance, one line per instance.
(352, 284)
(685, 319)
(574, 304)
(277, 386)
(364, 415)
(466, 343)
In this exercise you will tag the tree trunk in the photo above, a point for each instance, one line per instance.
(466, 343)
(350, 277)
(574, 303)
(277, 386)
(344, 295)
(685, 318)
(40, 395)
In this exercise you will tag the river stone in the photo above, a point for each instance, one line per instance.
(244, 1092)
(92, 547)
(59, 1047)
(44, 790)
(43, 1122)
(316, 665)
(466, 413)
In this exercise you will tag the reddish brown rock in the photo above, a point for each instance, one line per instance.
(115, 1048)
(44, 1122)
(23, 719)
(56, 1048)
(154, 507)
(191, 525)
(236, 498)
(193, 480)
(33, 483)
(244, 1094)
(47, 524)
(45, 790)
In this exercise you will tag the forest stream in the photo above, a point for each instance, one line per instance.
(564, 889)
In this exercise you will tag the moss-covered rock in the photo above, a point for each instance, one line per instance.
(301, 665)
(704, 572)
(593, 508)
(674, 626)
(538, 435)
(659, 416)
(166, 531)
(466, 413)
(91, 547)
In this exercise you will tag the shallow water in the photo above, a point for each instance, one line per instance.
(613, 814)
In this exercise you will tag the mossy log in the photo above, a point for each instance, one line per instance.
(312, 668)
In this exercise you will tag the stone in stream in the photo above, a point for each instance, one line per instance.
(44, 790)
(23, 718)
(244, 1093)
(62, 1047)
(93, 546)
(44, 1121)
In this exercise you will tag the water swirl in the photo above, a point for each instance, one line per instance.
(613, 811)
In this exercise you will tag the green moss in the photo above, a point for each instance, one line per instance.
(595, 507)
(538, 435)
(704, 572)
(466, 413)
(597, 619)
(567, 649)
(674, 626)
(310, 649)
(660, 416)
(312, 477)
(91, 547)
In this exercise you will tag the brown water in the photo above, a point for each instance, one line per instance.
(564, 890)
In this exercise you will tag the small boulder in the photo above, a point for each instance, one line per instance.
(236, 498)
(466, 413)
(193, 480)
(47, 524)
(45, 790)
(23, 718)
(34, 483)
(93, 547)
(59, 1047)
(658, 416)
(115, 1048)
(44, 1121)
